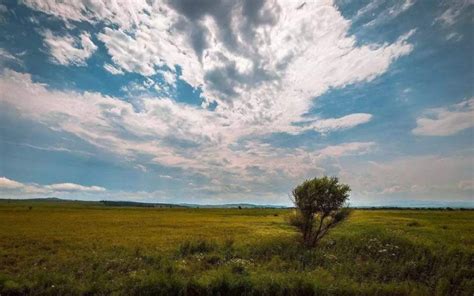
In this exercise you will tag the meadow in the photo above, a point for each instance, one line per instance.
(91, 249)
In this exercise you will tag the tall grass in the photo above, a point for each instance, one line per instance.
(250, 252)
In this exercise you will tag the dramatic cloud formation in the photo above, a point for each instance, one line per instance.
(259, 67)
(446, 121)
(229, 100)
(115, 125)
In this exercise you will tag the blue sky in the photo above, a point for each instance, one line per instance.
(237, 101)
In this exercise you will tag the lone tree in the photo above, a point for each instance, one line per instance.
(320, 206)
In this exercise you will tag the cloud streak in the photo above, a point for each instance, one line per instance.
(115, 125)
(8, 186)
(446, 121)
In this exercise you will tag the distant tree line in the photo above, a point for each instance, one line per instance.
(111, 203)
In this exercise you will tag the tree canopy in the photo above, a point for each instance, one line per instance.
(320, 206)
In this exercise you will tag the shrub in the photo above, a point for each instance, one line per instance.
(319, 204)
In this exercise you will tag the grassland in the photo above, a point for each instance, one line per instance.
(81, 248)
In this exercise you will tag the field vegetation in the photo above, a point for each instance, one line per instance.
(88, 248)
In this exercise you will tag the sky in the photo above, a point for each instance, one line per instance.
(214, 102)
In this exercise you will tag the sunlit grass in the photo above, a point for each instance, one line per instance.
(76, 248)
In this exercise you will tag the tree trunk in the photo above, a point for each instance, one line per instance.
(316, 237)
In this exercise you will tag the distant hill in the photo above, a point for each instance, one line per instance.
(186, 205)
(119, 203)
(235, 205)
(112, 203)
(49, 199)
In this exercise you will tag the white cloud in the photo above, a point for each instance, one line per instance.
(262, 69)
(69, 50)
(120, 12)
(454, 36)
(263, 63)
(290, 75)
(452, 13)
(430, 177)
(466, 185)
(453, 10)
(51, 148)
(113, 70)
(6, 56)
(448, 17)
(392, 189)
(69, 187)
(341, 123)
(141, 168)
(3, 12)
(102, 120)
(154, 129)
(169, 77)
(446, 121)
(382, 16)
(94, 118)
(18, 188)
(6, 183)
(353, 148)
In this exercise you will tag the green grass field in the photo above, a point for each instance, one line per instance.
(85, 248)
